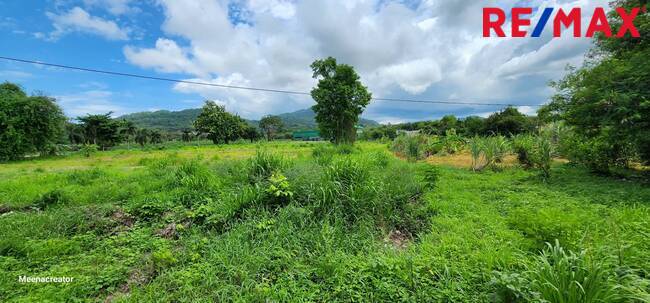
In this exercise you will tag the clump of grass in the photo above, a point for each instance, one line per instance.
(560, 276)
(323, 154)
(51, 198)
(488, 152)
(264, 164)
(412, 147)
(557, 275)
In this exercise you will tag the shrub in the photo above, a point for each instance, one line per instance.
(89, 149)
(523, 145)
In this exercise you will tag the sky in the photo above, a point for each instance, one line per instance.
(426, 50)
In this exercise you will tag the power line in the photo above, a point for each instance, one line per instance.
(112, 73)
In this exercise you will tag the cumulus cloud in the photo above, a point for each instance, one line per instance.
(78, 20)
(432, 49)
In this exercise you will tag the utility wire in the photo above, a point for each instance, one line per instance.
(112, 73)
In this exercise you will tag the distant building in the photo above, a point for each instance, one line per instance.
(307, 135)
(408, 133)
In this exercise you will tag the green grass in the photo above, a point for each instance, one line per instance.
(203, 223)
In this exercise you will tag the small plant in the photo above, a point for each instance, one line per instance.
(431, 176)
(476, 148)
(279, 187)
(89, 149)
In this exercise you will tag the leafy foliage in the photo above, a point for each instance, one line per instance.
(271, 125)
(607, 101)
(340, 99)
(220, 125)
(28, 124)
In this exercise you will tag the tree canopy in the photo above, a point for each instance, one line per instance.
(340, 99)
(220, 125)
(271, 125)
(27, 123)
(606, 102)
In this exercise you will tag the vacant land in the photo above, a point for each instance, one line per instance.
(307, 222)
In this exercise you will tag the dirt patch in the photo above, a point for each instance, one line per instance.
(136, 278)
(398, 239)
(4, 209)
(123, 218)
(169, 232)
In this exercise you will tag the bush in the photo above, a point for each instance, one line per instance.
(523, 145)
(89, 149)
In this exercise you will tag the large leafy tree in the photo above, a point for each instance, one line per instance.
(508, 122)
(27, 123)
(340, 99)
(220, 125)
(607, 101)
(271, 125)
(101, 130)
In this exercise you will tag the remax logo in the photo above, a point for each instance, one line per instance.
(495, 18)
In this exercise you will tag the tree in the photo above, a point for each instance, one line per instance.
(142, 136)
(218, 124)
(127, 130)
(27, 123)
(187, 135)
(472, 126)
(251, 133)
(101, 130)
(606, 102)
(271, 126)
(509, 122)
(155, 136)
(340, 99)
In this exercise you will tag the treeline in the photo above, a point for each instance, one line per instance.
(605, 104)
(508, 122)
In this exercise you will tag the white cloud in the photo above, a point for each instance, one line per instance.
(432, 51)
(89, 102)
(78, 20)
(115, 7)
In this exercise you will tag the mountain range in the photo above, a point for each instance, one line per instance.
(174, 121)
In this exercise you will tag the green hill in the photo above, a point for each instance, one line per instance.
(178, 120)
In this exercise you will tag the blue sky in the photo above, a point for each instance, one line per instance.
(430, 49)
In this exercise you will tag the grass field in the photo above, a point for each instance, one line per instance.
(306, 222)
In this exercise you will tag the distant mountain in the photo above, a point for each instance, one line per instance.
(178, 120)
(164, 119)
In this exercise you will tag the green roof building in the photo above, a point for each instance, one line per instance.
(307, 135)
